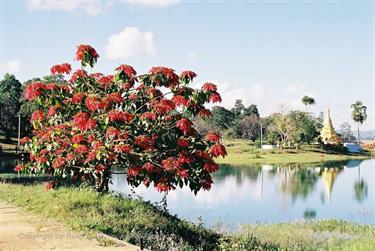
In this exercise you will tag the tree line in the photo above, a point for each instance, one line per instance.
(239, 122)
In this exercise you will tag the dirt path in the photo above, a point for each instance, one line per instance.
(22, 231)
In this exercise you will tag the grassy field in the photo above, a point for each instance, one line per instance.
(314, 235)
(242, 152)
(141, 223)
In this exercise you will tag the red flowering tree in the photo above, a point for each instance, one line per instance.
(89, 125)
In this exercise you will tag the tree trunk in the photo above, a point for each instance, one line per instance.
(358, 133)
(101, 182)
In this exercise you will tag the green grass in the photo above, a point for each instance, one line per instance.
(131, 220)
(314, 235)
(139, 222)
(242, 152)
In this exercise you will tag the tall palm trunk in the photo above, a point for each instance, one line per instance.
(358, 133)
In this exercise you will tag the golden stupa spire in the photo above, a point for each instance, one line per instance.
(328, 132)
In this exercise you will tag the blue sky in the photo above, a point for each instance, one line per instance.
(266, 53)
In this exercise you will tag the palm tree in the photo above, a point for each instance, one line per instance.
(306, 100)
(359, 115)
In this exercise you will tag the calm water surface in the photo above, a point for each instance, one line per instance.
(274, 193)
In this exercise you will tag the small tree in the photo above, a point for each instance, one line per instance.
(346, 131)
(307, 101)
(92, 123)
(10, 93)
(359, 115)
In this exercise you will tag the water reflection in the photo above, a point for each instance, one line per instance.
(274, 193)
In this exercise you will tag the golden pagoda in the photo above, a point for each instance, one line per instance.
(328, 133)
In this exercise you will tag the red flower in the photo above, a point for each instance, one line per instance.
(37, 115)
(115, 98)
(205, 113)
(79, 74)
(133, 96)
(43, 152)
(86, 50)
(51, 87)
(82, 149)
(127, 85)
(183, 173)
(149, 167)
(70, 157)
(141, 87)
(100, 168)
(41, 160)
(64, 87)
(24, 140)
(134, 171)
(168, 73)
(105, 81)
(97, 75)
(127, 69)
(82, 121)
(154, 92)
(77, 139)
(90, 124)
(213, 137)
(206, 184)
(185, 158)
(51, 111)
(61, 69)
(164, 106)
(209, 87)
(187, 76)
(91, 138)
(112, 132)
(183, 143)
(19, 168)
(211, 167)
(78, 97)
(116, 115)
(92, 103)
(149, 116)
(50, 185)
(34, 90)
(122, 148)
(145, 142)
(217, 150)
(184, 125)
(58, 162)
(214, 97)
(170, 164)
(162, 187)
(180, 100)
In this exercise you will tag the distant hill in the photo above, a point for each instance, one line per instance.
(366, 135)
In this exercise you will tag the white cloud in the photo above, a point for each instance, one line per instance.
(130, 43)
(295, 88)
(154, 3)
(91, 7)
(12, 66)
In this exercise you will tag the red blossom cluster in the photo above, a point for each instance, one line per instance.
(88, 124)
(86, 54)
(61, 69)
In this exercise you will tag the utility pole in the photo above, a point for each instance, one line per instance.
(261, 137)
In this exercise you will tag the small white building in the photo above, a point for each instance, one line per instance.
(269, 147)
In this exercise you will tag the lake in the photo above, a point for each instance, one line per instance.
(274, 193)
